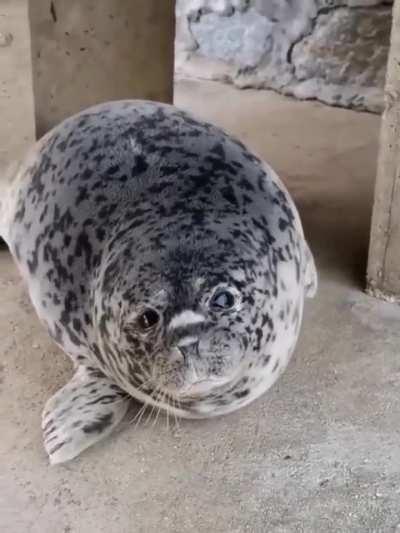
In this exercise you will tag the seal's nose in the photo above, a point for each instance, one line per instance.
(184, 330)
(188, 346)
(184, 325)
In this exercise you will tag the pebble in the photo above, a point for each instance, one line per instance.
(6, 39)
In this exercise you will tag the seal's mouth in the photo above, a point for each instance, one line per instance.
(202, 387)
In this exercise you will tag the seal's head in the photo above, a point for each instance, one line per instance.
(180, 324)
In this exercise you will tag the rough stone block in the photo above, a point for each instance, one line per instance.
(331, 50)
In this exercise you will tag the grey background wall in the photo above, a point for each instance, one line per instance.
(332, 50)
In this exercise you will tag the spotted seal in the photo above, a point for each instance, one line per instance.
(166, 259)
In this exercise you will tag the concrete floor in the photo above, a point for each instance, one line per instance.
(319, 452)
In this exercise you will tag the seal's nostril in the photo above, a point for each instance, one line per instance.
(188, 350)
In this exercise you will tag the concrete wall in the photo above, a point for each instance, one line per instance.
(332, 50)
(92, 51)
(16, 99)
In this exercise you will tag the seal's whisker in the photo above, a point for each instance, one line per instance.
(144, 383)
(139, 415)
(156, 391)
(172, 403)
(159, 409)
(177, 424)
(168, 415)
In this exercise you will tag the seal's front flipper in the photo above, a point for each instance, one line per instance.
(83, 412)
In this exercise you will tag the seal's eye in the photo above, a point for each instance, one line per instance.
(222, 300)
(148, 319)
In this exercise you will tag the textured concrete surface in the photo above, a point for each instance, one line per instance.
(319, 452)
(331, 50)
(88, 52)
(16, 98)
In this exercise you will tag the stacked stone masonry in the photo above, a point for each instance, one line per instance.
(331, 50)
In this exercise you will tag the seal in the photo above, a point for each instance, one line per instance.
(165, 258)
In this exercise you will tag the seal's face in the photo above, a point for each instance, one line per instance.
(181, 324)
(190, 336)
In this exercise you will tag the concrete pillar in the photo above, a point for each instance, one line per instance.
(16, 100)
(383, 278)
(88, 51)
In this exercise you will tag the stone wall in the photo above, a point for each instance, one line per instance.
(331, 50)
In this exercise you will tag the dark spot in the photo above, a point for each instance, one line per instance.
(48, 425)
(57, 447)
(103, 400)
(17, 251)
(113, 170)
(99, 425)
(259, 335)
(265, 360)
(53, 12)
(229, 195)
(242, 393)
(100, 234)
(76, 324)
(283, 224)
(141, 165)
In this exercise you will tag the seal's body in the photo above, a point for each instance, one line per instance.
(164, 258)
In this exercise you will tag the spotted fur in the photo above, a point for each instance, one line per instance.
(135, 205)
